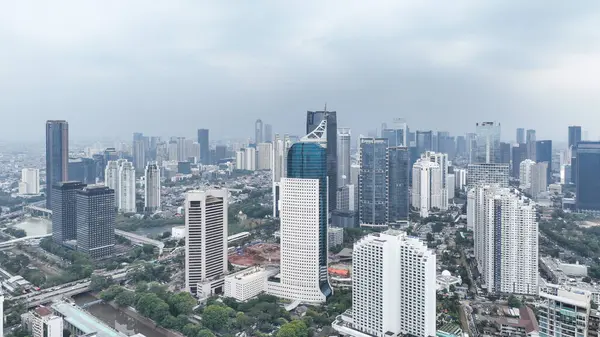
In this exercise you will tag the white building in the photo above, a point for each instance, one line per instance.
(393, 288)
(178, 232)
(506, 240)
(250, 159)
(563, 311)
(335, 236)
(30, 181)
(533, 177)
(426, 187)
(525, 173)
(41, 322)
(442, 160)
(205, 241)
(247, 283)
(451, 183)
(126, 188)
(345, 198)
(152, 188)
(279, 165)
(240, 159)
(265, 152)
(461, 178)
(343, 153)
(111, 178)
(484, 174)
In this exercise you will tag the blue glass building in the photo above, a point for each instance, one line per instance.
(588, 176)
(57, 156)
(372, 182)
(398, 170)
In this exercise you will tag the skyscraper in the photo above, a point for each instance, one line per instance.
(204, 146)
(487, 174)
(343, 153)
(57, 155)
(442, 160)
(543, 153)
(126, 189)
(268, 136)
(487, 143)
(205, 241)
(313, 119)
(574, 135)
(258, 132)
(373, 182)
(265, 153)
(504, 223)
(250, 159)
(426, 187)
(533, 177)
(64, 210)
(112, 179)
(398, 173)
(505, 151)
(519, 153)
(520, 136)
(152, 188)
(280, 152)
(393, 288)
(304, 221)
(96, 221)
(424, 141)
(139, 150)
(531, 145)
(587, 177)
(30, 181)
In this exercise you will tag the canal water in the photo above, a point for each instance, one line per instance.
(115, 318)
(35, 226)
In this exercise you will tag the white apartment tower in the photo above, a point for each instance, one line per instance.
(126, 188)
(152, 188)
(506, 239)
(393, 288)
(343, 152)
(30, 181)
(205, 241)
(533, 177)
(240, 159)
(250, 159)
(525, 173)
(442, 160)
(265, 151)
(426, 186)
(111, 178)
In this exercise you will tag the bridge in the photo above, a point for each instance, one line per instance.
(11, 243)
(141, 240)
(37, 210)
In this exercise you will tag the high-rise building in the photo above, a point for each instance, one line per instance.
(373, 182)
(112, 179)
(343, 153)
(393, 288)
(313, 119)
(531, 145)
(57, 155)
(587, 179)
(220, 153)
(345, 198)
(83, 169)
(205, 241)
(64, 210)
(139, 150)
(426, 187)
(240, 159)
(424, 141)
(95, 221)
(126, 189)
(250, 159)
(564, 311)
(30, 181)
(543, 153)
(486, 174)
(152, 188)
(304, 221)
(461, 146)
(533, 177)
(281, 147)
(574, 135)
(395, 137)
(506, 240)
(519, 153)
(505, 152)
(398, 184)
(442, 160)
(258, 131)
(520, 136)
(268, 135)
(181, 149)
(487, 143)
(265, 152)
(204, 146)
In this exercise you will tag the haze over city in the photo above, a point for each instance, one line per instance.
(168, 68)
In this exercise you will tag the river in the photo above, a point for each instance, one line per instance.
(115, 318)
(34, 226)
(154, 230)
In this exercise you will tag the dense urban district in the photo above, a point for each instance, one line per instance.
(397, 233)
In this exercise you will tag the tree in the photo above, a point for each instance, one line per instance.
(514, 302)
(182, 303)
(125, 298)
(293, 329)
(98, 283)
(205, 333)
(215, 317)
(191, 329)
(112, 292)
(430, 237)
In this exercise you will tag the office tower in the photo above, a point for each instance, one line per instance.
(265, 152)
(442, 160)
(95, 221)
(258, 131)
(240, 159)
(461, 146)
(587, 177)
(345, 198)
(112, 179)
(394, 137)
(398, 184)
(30, 181)
(531, 145)
(83, 169)
(373, 182)
(543, 153)
(446, 144)
(393, 288)
(564, 311)
(313, 119)
(343, 153)
(280, 151)
(152, 188)
(354, 177)
(574, 135)
(424, 141)
(304, 221)
(426, 187)
(181, 149)
(487, 143)
(506, 240)
(486, 174)
(64, 210)
(519, 153)
(220, 153)
(205, 241)
(520, 136)
(250, 159)
(204, 146)
(471, 141)
(268, 135)
(505, 150)
(57, 155)
(126, 188)
(172, 150)
(139, 151)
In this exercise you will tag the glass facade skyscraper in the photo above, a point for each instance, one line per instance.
(398, 171)
(424, 140)
(543, 153)
(57, 155)
(395, 137)
(574, 135)
(487, 149)
(313, 119)
(204, 146)
(373, 184)
(588, 176)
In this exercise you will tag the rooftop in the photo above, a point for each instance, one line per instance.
(84, 321)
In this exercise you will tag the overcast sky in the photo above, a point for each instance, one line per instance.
(169, 67)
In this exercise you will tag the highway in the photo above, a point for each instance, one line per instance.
(140, 240)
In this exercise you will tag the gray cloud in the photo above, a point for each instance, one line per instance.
(168, 68)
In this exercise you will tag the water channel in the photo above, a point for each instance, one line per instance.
(34, 226)
(116, 319)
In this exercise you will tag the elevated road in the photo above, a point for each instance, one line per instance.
(141, 240)
(11, 243)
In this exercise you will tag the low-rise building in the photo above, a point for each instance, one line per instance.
(178, 232)
(247, 283)
(525, 325)
(80, 322)
(41, 322)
